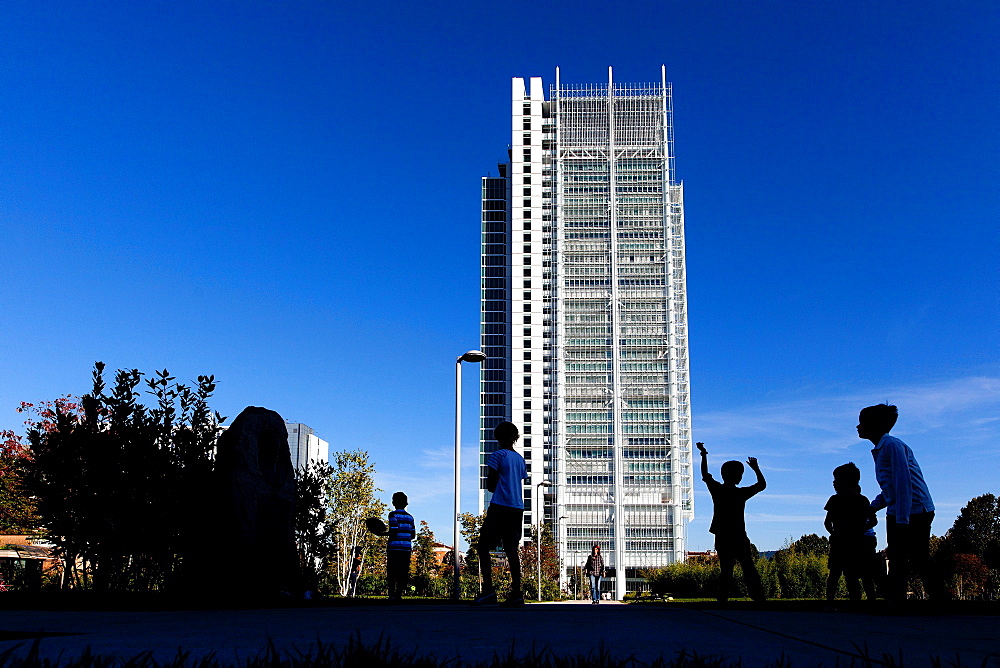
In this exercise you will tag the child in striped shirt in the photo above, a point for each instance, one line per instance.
(399, 547)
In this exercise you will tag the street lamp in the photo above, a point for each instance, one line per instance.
(539, 510)
(474, 356)
(562, 563)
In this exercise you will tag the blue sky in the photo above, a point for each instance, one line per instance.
(285, 195)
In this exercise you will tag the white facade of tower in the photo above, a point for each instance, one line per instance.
(305, 446)
(585, 320)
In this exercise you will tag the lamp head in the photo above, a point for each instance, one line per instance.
(475, 356)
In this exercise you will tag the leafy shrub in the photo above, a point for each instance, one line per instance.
(788, 575)
(371, 584)
(689, 580)
(801, 575)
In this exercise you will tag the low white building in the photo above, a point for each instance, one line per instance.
(305, 446)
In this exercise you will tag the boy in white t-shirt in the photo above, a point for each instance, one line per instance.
(504, 517)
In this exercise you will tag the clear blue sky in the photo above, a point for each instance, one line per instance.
(285, 195)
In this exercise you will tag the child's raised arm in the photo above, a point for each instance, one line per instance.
(752, 461)
(705, 475)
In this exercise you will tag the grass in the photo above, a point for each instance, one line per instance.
(81, 600)
(381, 654)
(89, 599)
(915, 607)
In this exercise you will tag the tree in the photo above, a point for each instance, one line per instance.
(549, 563)
(471, 526)
(471, 578)
(425, 565)
(811, 544)
(18, 514)
(977, 530)
(351, 499)
(969, 576)
(314, 534)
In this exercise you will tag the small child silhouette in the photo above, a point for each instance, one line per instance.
(401, 532)
(849, 519)
(728, 524)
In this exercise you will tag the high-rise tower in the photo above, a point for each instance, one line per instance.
(584, 321)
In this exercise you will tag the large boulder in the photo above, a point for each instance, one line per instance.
(255, 492)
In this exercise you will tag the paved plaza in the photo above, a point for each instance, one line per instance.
(644, 631)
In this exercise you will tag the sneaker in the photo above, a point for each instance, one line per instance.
(513, 603)
(485, 599)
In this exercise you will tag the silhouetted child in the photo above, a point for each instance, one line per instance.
(909, 509)
(850, 521)
(731, 541)
(399, 547)
(504, 517)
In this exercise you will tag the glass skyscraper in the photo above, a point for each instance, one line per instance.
(584, 321)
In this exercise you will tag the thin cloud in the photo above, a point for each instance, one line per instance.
(437, 458)
(771, 518)
(824, 423)
(798, 498)
(418, 488)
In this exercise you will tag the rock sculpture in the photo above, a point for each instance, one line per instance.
(255, 491)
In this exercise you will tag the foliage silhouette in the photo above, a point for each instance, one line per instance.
(119, 485)
(977, 530)
(314, 532)
(18, 511)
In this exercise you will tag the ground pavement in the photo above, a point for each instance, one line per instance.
(644, 631)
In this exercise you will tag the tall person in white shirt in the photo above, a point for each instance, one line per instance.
(504, 517)
(907, 502)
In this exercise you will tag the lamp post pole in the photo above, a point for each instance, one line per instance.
(474, 356)
(576, 580)
(539, 510)
(562, 562)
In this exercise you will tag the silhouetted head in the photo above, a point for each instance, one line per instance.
(596, 549)
(848, 473)
(732, 472)
(846, 486)
(506, 433)
(876, 421)
(399, 500)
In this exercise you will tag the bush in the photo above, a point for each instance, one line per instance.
(801, 575)
(768, 570)
(550, 589)
(691, 580)
(788, 575)
(371, 584)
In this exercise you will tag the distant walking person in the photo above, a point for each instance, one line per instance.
(850, 521)
(357, 562)
(595, 571)
(399, 547)
(504, 517)
(909, 509)
(729, 526)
